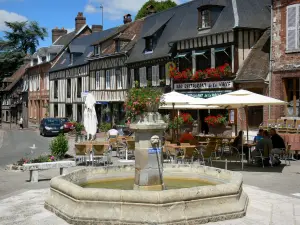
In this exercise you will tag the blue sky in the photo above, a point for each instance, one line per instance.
(62, 13)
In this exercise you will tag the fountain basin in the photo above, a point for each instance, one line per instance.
(222, 199)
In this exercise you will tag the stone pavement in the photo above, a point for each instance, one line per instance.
(264, 208)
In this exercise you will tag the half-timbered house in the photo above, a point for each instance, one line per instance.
(42, 61)
(207, 42)
(69, 78)
(12, 96)
(109, 78)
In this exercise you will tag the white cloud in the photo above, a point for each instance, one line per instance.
(9, 17)
(115, 9)
(70, 29)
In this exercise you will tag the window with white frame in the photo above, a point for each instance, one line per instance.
(119, 79)
(293, 28)
(107, 79)
(97, 80)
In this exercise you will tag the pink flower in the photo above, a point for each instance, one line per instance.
(52, 158)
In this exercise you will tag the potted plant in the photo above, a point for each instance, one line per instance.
(142, 100)
(217, 124)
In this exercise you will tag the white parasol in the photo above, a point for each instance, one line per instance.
(90, 118)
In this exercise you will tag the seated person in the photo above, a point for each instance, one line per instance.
(265, 145)
(237, 143)
(259, 136)
(113, 133)
(186, 137)
(277, 141)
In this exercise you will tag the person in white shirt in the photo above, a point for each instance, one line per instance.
(113, 133)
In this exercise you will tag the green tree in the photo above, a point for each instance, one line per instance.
(21, 39)
(158, 6)
(23, 36)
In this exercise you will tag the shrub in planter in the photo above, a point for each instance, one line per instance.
(59, 146)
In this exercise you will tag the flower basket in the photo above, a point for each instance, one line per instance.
(216, 124)
(142, 100)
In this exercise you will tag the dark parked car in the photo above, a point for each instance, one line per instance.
(68, 125)
(51, 126)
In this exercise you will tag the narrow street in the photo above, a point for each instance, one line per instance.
(16, 144)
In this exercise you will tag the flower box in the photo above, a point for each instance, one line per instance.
(221, 72)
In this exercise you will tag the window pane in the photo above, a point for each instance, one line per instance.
(205, 18)
(97, 86)
(107, 79)
(149, 73)
(162, 72)
(119, 78)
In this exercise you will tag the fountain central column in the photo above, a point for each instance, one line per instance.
(148, 130)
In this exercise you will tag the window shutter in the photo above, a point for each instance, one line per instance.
(102, 79)
(132, 81)
(155, 76)
(143, 77)
(168, 79)
(291, 34)
(124, 78)
(113, 82)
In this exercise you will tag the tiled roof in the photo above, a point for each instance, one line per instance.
(84, 44)
(181, 23)
(256, 66)
(130, 35)
(17, 76)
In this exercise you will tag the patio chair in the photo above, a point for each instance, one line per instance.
(206, 152)
(287, 153)
(234, 153)
(290, 125)
(297, 126)
(130, 148)
(264, 154)
(167, 153)
(281, 126)
(271, 123)
(80, 153)
(188, 155)
(98, 151)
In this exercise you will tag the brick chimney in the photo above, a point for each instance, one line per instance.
(56, 33)
(97, 28)
(80, 21)
(150, 10)
(127, 18)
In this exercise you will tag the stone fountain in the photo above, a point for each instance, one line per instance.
(149, 201)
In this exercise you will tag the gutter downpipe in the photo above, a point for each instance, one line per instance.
(271, 58)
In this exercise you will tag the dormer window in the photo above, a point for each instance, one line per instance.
(204, 18)
(97, 50)
(44, 58)
(35, 61)
(149, 44)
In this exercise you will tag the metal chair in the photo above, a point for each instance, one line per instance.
(130, 148)
(188, 155)
(98, 151)
(207, 152)
(80, 153)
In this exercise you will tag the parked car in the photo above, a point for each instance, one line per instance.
(68, 125)
(51, 126)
